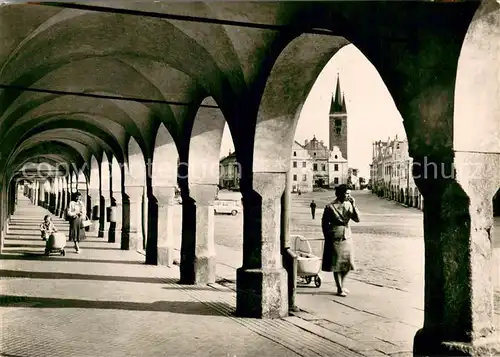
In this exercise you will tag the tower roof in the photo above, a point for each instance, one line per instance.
(338, 101)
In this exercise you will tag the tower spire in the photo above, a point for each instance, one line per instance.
(338, 101)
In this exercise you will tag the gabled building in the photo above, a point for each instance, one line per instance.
(301, 172)
(229, 172)
(320, 155)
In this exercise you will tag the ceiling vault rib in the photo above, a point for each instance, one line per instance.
(101, 96)
(183, 18)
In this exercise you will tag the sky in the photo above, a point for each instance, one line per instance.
(372, 114)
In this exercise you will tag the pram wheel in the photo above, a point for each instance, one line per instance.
(308, 279)
(317, 281)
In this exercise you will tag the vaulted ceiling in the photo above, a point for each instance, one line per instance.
(66, 69)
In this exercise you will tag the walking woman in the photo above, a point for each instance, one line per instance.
(338, 255)
(76, 214)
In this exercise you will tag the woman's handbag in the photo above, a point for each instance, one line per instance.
(86, 223)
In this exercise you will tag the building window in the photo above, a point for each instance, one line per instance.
(295, 164)
(336, 156)
(336, 167)
(323, 167)
(338, 130)
(304, 177)
(295, 153)
(304, 164)
(336, 180)
(295, 177)
(338, 122)
(314, 154)
(315, 167)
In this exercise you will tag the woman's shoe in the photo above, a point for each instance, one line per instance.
(341, 293)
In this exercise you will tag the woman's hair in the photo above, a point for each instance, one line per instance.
(340, 190)
(76, 195)
(46, 216)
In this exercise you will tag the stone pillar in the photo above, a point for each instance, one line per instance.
(35, 193)
(165, 224)
(94, 209)
(116, 217)
(198, 246)
(41, 195)
(58, 202)
(105, 206)
(459, 313)
(62, 207)
(132, 219)
(289, 258)
(261, 282)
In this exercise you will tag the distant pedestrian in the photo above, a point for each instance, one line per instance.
(338, 255)
(313, 209)
(299, 192)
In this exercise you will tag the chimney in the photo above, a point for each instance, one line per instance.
(306, 142)
(321, 142)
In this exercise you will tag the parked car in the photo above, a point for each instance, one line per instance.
(231, 207)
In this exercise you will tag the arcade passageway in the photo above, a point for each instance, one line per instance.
(124, 102)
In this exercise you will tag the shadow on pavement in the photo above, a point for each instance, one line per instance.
(313, 292)
(74, 276)
(41, 256)
(195, 287)
(178, 307)
(68, 244)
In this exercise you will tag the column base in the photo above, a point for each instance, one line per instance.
(94, 228)
(261, 294)
(201, 272)
(429, 344)
(165, 256)
(131, 241)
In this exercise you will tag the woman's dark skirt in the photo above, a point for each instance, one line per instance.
(76, 231)
(338, 256)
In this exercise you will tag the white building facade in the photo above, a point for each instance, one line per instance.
(301, 172)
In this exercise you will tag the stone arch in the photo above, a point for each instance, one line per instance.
(135, 193)
(105, 173)
(297, 67)
(477, 84)
(117, 211)
(476, 133)
(94, 191)
(104, 196)
(165, 155)
(135, 173)
(117, 180)
(161, 207)
(82, 180)
(74, 182)
(199, 191)
(94, 174)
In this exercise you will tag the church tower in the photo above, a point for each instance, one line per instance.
(338, 122)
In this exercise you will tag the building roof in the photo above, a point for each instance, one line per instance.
(231, 156)
(338, 101)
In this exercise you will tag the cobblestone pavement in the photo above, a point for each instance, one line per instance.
(385, 307)
(106, 302)
(123, 314)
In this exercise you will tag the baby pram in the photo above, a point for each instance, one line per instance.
(56, 244)
(308, 264)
